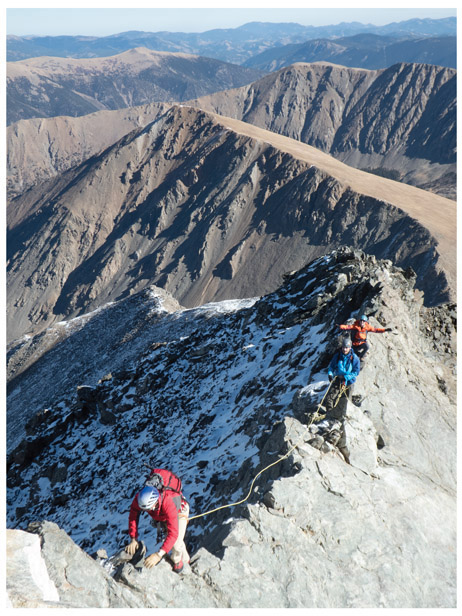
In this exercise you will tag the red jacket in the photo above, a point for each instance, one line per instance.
(360, 333)
(167, 510)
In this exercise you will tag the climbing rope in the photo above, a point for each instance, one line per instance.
(316, 416)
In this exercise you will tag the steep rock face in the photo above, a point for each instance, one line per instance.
(47, 87)
(219, 404)
(207, 213)
(401, 119)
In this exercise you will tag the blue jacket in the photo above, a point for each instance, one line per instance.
(346, 366)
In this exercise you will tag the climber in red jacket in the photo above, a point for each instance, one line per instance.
(168, 506)
(360, 329)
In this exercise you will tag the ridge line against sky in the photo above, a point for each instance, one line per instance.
(175, 16)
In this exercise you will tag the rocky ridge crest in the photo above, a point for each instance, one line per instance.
(315, 532)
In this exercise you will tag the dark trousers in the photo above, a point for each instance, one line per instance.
(336, 402)
(337, 399)
(361, 349)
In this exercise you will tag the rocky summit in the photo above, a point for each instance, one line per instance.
(227, 396)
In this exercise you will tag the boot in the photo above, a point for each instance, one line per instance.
(345, 453)
(316, 442)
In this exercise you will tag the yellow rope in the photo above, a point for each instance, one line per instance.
(316, 415)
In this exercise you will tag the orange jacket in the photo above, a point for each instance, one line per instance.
(360, 333)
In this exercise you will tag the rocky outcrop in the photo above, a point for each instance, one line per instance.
(28, 583)
(208, 208)
(48, 87)
(46, 569)
(233, 397)
(400, 120)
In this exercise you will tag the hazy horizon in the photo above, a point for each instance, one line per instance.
(107, 21)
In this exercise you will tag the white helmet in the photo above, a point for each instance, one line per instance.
(148, 497)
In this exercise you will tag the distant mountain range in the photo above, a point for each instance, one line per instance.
(234, 45)
(47, 87)
(362, 51)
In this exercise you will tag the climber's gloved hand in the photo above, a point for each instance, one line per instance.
(131, 547)
(331, 377)
(388, 329)
(152, 560)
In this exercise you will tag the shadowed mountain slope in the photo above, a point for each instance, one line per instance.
(46, 87)
(218, 394)
(40, 148)
(208, 208)
(402, 119)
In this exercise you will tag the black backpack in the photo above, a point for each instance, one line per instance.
(156, 480)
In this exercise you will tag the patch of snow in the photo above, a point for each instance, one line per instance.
(39, 573)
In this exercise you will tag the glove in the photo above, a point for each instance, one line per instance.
(331, 377)
(131, 547)
(152, 560)
(388, 329)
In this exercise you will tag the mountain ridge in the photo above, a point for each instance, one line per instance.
(401, 119)
(333, 108)
(227, 188)
(368, 51)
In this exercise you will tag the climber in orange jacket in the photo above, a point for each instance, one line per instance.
(360, 329)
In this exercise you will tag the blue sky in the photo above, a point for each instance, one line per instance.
(198, 17)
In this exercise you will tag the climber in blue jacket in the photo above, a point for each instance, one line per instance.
(344, 364)
(342, 371)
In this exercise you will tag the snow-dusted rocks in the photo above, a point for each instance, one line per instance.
(223, 392)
